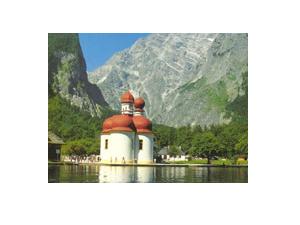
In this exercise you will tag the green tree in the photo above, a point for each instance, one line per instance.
(205, 145)
(184, 138)
(229, 136)
(174, 150)
(74, 148)
(164, 135)
(241, 147)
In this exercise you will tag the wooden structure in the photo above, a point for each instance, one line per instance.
(54, 146)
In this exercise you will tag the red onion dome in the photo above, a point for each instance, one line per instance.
(107, 124)
(122, 123)
(142, 124)
(139, 103)
(127, 97)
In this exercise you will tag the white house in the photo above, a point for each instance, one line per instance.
(165, 155)
(128, 137)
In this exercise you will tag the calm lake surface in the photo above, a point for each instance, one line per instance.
(145, 174)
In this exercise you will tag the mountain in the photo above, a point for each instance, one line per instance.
(184, 78)
(67, 75)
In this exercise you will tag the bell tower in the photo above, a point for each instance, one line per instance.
(127, 103)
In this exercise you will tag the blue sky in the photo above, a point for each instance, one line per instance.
(98, 48)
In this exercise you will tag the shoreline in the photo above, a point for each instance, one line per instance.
(149, 165)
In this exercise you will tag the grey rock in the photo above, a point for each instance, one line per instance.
(68, 76)
(184, 78)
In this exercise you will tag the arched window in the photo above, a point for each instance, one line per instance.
(140, 144)
(106, 143)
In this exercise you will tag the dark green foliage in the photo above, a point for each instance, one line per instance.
(184, 138)
(174, 150)
(241, 146)
(85, 146)
(225, 141)
(67, 42)
(164, 135)
(76, 128)
(238, 109)
(69, 122)
(230, 135)
(58, 44)
(205, 145)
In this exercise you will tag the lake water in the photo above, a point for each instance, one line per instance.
(145, 174)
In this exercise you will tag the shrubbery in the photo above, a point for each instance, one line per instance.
(79, 130)
(226, 141)
(85, 146)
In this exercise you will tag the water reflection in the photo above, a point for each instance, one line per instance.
(145, 174)
(125, 174)
(73, 173)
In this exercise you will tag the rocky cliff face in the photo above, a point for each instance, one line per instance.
(67, 75)
(184, 78)
(219, 82)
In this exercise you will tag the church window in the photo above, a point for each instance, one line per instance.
(140, 144)
(106, 143)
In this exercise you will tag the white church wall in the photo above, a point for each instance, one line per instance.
(122, 146)
(145, 155)
(105, 153)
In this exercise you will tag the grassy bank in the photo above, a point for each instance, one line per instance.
(227, 162)
(59, 163)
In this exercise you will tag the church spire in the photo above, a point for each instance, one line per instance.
(139, 105)
(127, 103)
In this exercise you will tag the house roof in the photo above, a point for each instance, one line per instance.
(166, 151)
(54, 139)
(163, 151)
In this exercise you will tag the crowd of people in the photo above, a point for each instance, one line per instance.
(82, 159)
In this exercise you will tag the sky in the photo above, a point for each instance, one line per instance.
(98, 48)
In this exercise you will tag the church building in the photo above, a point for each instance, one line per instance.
(127, 138)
